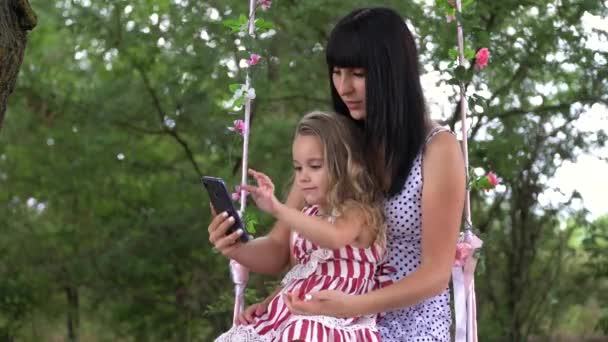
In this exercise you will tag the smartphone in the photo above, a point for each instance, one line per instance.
(221, 201)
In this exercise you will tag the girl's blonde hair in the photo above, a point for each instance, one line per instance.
(350, 182)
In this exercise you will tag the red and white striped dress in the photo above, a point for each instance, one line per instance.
(348, 269)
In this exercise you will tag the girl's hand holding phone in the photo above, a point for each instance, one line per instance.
(218, 228)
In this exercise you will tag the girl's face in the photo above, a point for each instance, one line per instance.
(350, 85)
(311, 173)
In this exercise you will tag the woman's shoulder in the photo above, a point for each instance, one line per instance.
(441, 146)
(441, 140)
(443, 152)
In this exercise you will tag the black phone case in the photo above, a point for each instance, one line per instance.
(220, 198)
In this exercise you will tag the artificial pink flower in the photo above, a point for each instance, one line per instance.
(463, 251)
(253, 59)
(493, 179)
(236, 195)
(238, 126)
(481, 58)
(486, 183)
(451, 16)
(265, 4)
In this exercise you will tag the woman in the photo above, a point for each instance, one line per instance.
(374, 79)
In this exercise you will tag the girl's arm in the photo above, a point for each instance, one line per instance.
(442, 206)
(321, 232)
(256, 310)
(268, 254)
(335, 235)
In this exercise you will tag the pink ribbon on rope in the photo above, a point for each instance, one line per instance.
(240, 277)
(463, 282)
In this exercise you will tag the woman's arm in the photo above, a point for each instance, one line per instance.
(442, 206)
(268, 254)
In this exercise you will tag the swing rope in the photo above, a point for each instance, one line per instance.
(463, 277)
(239, 273)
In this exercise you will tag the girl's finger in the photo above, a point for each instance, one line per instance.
(218, 231)
(259, 178)
(268, 181)
(264, 181)
(216, 222)
(228, 240)
(250, 188)
(247, 317)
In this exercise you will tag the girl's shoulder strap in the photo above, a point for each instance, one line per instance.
(310, 210)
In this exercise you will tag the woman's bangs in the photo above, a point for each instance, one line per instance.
(346, 48)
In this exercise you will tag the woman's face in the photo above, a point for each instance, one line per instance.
(350, 85)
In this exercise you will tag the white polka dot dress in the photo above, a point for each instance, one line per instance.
(429, 320)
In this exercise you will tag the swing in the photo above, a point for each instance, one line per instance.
(465, 260)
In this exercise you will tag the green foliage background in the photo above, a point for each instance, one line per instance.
(118, 113)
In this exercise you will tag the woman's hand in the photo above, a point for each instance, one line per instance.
(327, 303)
(218, 227)
(251, 313)
(263, 194)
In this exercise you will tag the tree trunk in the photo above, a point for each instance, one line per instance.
(16, 18)
(73, 318)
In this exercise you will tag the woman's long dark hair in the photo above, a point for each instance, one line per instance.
(378, 40)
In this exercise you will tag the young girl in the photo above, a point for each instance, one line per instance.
(338, 237)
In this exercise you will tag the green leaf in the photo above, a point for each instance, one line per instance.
(469, 53)
(453, 81)
(443, 4)
(460, 73)
(459, 17)
(234, 87)
(239, 102)
(251, 227)
(471, 103)
(233, 25)
(236, 25)
(453, 53)
(466, 3)
(262, 25)
(480, 100)
(251, 221)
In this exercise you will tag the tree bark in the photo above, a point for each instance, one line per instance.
(73, 315)
(16, 18)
